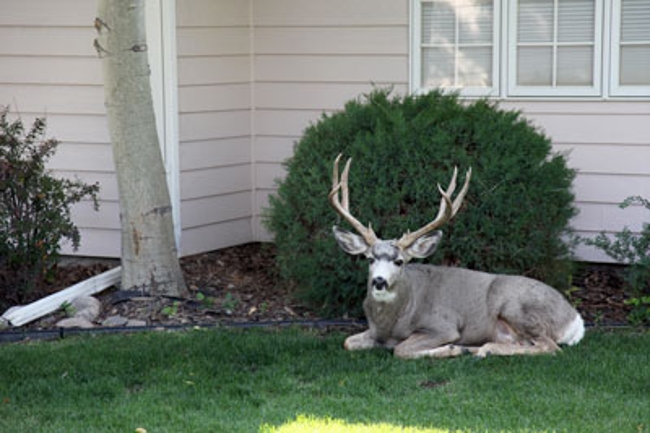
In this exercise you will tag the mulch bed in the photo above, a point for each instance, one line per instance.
(239, 284)
(236, 284)
(600, 294)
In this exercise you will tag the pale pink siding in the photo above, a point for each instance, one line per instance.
(608, 142)
(311, 57)
(252, 75)
(49, 68)
(214, 88)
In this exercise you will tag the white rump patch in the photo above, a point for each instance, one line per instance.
(574, 332)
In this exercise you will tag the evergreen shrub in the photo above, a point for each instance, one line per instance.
(514, 220)
(34, 208)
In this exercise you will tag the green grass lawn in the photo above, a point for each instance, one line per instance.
(296, 380)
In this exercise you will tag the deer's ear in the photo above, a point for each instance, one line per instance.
(425, 246)
(349, 242)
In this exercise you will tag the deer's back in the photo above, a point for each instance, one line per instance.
(472, 301)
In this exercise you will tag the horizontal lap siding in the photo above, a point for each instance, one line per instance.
(214, 91)
(252, 75)
(608, 143)
(47, 13)
(50, 69)
(310, 58)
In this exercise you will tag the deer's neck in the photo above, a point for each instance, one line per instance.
(384, 311)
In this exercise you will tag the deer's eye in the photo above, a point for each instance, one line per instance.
(398, 262)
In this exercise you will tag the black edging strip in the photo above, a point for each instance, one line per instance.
(15, 336)
(60, 333)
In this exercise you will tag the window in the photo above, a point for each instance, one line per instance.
(555, 48)
(457, 40)
(631, 48)
(538, 48)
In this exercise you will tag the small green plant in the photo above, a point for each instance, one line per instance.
(229, 302)
(68, 309)
(632, 249)
(34, 207)
(514, 219)
(206, 301)
(171, 310)
(569, 294)
(640, 313)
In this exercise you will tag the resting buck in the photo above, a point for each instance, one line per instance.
(423, 310)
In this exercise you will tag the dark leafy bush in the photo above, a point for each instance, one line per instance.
(514, 219)
(632, 249)
(34, 207)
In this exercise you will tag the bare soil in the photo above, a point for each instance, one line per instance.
(240, 284)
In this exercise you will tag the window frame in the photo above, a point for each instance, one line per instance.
(606, 61)
(615, 88)
(565, 91)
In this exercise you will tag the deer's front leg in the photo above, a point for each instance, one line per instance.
(420, 345)
(361, 341)
(533, 347)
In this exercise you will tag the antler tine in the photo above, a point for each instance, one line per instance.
(344, 180)
(335, 173)
(447, 211)
(446, 195)
(461, 195)
(344, 208)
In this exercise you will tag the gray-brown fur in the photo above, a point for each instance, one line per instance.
(432, 307)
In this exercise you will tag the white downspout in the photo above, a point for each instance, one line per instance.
(161, 41)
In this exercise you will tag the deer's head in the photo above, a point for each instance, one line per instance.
(388, 257)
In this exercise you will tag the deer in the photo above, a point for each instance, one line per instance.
(422, 310)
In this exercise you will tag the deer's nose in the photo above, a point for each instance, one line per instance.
(380, 283)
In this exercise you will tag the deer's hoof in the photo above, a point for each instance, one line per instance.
(483, 353)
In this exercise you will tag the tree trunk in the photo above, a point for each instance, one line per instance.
(149, 256)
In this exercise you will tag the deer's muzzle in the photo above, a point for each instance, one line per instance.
(379, 283)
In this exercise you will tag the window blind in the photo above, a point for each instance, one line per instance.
(634, 61)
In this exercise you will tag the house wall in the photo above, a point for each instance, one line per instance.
(214, 93)
(50, 69)
(311, 57)
(608, 143)
(252, 75)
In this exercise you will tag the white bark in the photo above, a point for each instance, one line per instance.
(149, 255)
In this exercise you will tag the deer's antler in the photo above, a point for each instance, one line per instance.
(343, 208)
(446, 212)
